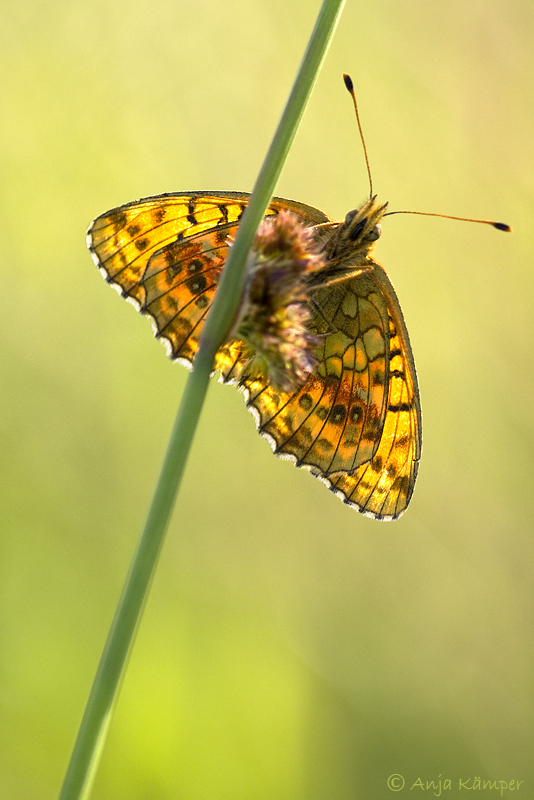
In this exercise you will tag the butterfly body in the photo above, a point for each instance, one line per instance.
(356, 422)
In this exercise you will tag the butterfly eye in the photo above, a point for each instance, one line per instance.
(374, 234)
(356, 231)
(350, 216)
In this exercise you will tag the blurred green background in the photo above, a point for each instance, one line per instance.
(290, 648)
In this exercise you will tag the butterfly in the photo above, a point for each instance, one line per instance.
(356, 421)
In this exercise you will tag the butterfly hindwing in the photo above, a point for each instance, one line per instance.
(356, 422)
(382, 487)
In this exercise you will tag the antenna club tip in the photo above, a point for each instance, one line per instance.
(348, 82)
(502, 227)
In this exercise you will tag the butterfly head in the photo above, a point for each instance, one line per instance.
(353, 239)
(361, 226)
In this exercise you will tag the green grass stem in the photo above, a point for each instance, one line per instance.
(99, 710)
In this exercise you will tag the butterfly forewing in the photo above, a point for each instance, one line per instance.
(165, 254)
(355, 423)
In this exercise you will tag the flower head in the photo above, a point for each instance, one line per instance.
(274, 316)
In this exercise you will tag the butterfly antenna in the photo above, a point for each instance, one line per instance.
(501, 226)
(350, 89)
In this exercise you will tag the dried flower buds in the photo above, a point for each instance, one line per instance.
(274, 315)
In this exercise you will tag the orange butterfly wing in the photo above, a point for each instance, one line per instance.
(165, 255)
(355, 424)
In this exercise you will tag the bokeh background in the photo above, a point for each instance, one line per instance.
(290, 648)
